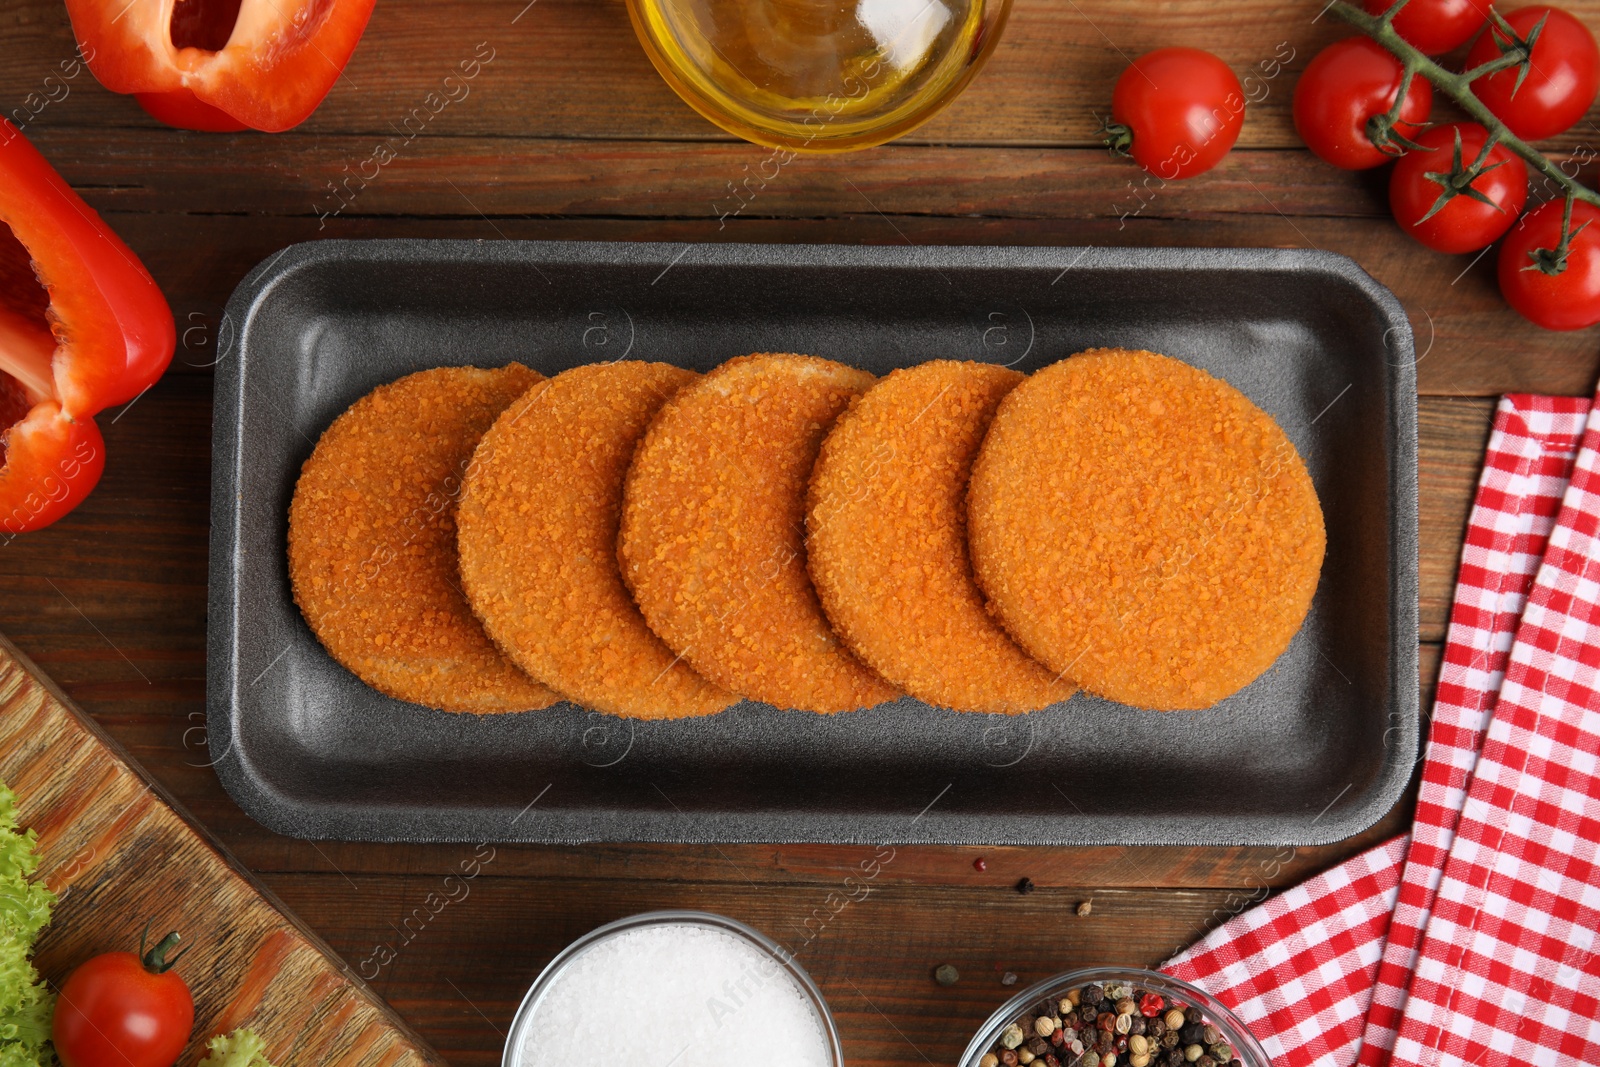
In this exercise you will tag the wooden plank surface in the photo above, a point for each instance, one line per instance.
(567, 133)
(117, 855)
(571, 68)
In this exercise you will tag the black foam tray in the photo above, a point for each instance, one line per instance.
(1317, 749)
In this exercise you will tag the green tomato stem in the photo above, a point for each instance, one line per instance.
(1116, 137)
(156, 960)
(1407, 75)
(1384, 130)
(1553, 261)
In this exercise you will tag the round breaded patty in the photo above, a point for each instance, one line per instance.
(713, 532)
(1144, 528)
(372, 542)
(538, 542)
(887, 541)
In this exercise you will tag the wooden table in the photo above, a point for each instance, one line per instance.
(568, 133)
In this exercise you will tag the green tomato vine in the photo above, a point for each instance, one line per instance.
(1515, 51)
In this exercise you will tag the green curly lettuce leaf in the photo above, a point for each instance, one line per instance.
(25, 1003)
(242, 1048)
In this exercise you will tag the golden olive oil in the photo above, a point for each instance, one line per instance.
(818, 75)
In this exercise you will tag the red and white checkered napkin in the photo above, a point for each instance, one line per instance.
(1509, 967)
(1298, 969)
(1525, 476)
(1301, 969)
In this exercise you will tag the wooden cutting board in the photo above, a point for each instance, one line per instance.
(120, 851)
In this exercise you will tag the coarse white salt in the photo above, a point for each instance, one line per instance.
(673, 994)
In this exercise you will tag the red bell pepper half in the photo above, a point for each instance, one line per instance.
(221, 64)
(82, 326)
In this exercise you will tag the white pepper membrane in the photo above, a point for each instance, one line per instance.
(674, 995)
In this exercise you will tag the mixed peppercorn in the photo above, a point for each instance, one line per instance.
(1112, 1025)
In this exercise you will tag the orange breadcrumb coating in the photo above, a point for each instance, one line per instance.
(887, 541)
(538, 536)
(713, 532)
(372, 558)
(1144, 528)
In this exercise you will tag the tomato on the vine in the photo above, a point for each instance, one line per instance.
(1554, 91)
(1452, 195)
(1558, 292)
(1176, 111)
(1344, 89)
(121, 1010)
(1436, 26)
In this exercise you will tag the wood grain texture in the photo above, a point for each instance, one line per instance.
(333, 175)
(117, 854)
(572, 69)
(569, 134)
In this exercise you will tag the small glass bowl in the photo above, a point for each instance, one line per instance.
(512, 1057)
(1245, 1047)
(818, 75)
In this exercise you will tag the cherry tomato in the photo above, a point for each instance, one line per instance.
(1177, 111)
(1568, 299)
(1560, 84)
(118, 1010)
(1465, 223)
(1436, 26)
(1342, 90)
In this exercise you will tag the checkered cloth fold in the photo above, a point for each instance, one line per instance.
(1302, 969)
(1508, 969)
(1525, 475)
(1299, 968)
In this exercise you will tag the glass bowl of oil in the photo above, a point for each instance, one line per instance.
(818, 75)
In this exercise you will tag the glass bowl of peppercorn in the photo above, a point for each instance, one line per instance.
(1114, 1017)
